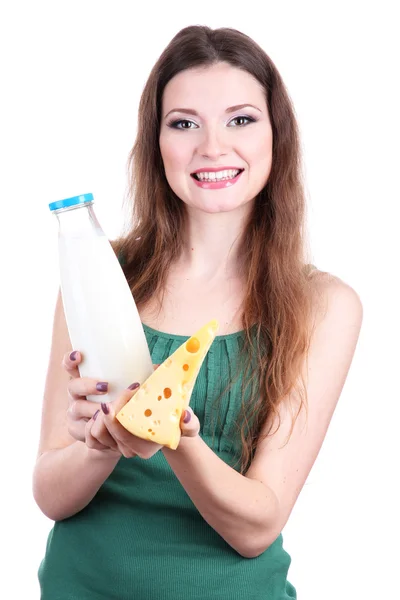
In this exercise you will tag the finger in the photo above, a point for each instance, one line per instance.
(97, 436)
(85, 386)
(76, 430)
(71, 361)
(93, 444)
(126, 440)
(81, 409)
(126, 451)
(189, 424)
(116, 430)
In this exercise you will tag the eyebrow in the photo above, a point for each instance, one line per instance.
(191, 111)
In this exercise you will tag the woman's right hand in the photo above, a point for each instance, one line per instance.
(81, 413)
(81, 410)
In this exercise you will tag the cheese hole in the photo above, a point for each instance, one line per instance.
(147, 413)
(185, 367)
(167, 393)
(149, 430)
(159, 398)
(193, 345)
(175, 415)
(153, 433)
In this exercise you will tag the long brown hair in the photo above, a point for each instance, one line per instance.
(277, 307)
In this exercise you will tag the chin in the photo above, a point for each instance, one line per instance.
(217, 207)
(213, 209)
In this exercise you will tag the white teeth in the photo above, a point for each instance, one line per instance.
(217, 176)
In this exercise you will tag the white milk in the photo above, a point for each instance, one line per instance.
(102, 318)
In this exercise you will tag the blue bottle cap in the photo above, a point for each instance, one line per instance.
(75, 200)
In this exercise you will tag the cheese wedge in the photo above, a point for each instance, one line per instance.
(155, 411)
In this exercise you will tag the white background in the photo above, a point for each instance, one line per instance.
(71, 77)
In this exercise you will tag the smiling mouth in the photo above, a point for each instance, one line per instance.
(217, 176)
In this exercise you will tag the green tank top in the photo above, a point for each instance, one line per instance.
(142, 538)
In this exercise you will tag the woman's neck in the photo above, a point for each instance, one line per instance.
(212, 243)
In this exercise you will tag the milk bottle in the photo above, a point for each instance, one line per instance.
(102, 318)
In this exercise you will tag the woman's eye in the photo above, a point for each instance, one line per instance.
(182, 124)
(242, 121)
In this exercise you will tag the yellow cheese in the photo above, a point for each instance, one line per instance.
(155, 411)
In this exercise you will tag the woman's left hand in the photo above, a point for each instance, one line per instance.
(104, 424)
(190, 424)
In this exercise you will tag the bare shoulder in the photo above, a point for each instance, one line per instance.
(330, 294)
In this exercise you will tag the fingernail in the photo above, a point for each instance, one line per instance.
(73, 355)
(102, 386)
(134, 386)
(187, 416)
(105, 408)
(95, 415)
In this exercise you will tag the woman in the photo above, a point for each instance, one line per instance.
(217, 232)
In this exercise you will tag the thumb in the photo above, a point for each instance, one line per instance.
(190, 424)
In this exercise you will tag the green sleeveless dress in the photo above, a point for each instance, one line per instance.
(142, 538)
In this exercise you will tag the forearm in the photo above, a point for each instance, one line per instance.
(242, 510)
(66, 479)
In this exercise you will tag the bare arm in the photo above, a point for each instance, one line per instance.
(67, 473)
(250, 511)
(67, 479)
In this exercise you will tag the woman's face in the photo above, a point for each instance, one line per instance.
(215, 123)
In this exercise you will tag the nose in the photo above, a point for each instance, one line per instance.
(213, 143)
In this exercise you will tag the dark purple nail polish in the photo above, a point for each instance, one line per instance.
(105, 408)
(102, 386)
(134, 386)
(95, 415)
(73, 355)
(187, 416)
